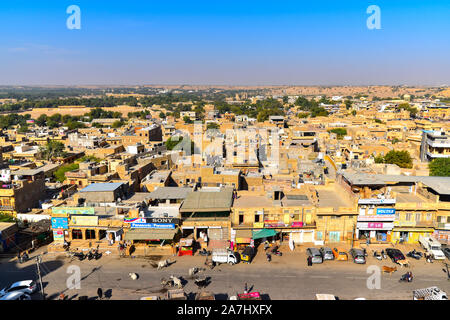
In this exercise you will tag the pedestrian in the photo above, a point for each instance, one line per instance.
(309, 261)
(100, 293)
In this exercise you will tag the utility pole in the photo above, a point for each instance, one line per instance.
(38, 262)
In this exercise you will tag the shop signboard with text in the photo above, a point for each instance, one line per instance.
(153, 225)
(390, 211)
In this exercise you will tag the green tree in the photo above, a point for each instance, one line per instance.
(440, 167)
(212, 125)
(340, 132)
(379, 159)
(400, 158)
(162, 115)
(187, 120)
(348, 104)
(117, 124)
(53, 149)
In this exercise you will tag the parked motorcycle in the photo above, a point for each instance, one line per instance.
(80, 255)
(383, 254)
(276, 252)
(24, 258)
(204, 252)
(377, 255)
(66, 246)
(414, 254)
(90, 255)
(407, 277)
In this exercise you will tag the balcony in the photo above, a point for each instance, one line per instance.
(6, 208)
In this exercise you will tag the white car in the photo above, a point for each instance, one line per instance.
(26, 286)
(15, 295)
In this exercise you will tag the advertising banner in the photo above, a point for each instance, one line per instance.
(84, 220)
(73, 210)
(385, 211)
(153, 225)
(60, 223)
(58, 235)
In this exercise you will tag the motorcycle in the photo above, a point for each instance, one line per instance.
(383, 254)
(97, 255)
(66, 246)
(204, 252)
(414, 254)
(407, 277)
(377, 255)
(24, 258)
(269, 257)
(80, 255)
(276, 252)
(90, 255)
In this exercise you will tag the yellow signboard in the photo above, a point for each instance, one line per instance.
(84, 220)
(258, 225)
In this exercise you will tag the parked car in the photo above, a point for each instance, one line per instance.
(315, 255)
(432, 246)
(395, 255)
(358, 255)
(327, 253)
(446, 252)
(16, 295)
(340, 254)
(26, 286)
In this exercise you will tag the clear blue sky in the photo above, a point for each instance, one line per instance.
(241, 42)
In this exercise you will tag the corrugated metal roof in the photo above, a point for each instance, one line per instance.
(99, 187)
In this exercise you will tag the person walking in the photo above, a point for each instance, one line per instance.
(309, 260)
(100, 293)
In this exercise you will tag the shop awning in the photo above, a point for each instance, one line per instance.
(264, 233)
(150, 234)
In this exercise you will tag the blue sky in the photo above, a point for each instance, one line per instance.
(225, 42)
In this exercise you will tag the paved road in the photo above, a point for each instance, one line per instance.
(285, 277)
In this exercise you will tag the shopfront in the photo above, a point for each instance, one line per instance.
(376, 226)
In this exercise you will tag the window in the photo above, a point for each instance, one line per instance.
(90, 234)
(257, 218)
(417, 217)
(397, 215)
(77, 234)
(408, 216)
(241, 219)
(428, 216)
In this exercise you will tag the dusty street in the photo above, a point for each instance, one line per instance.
(286, 277)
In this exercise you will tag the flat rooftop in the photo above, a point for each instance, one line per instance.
(330, 198)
